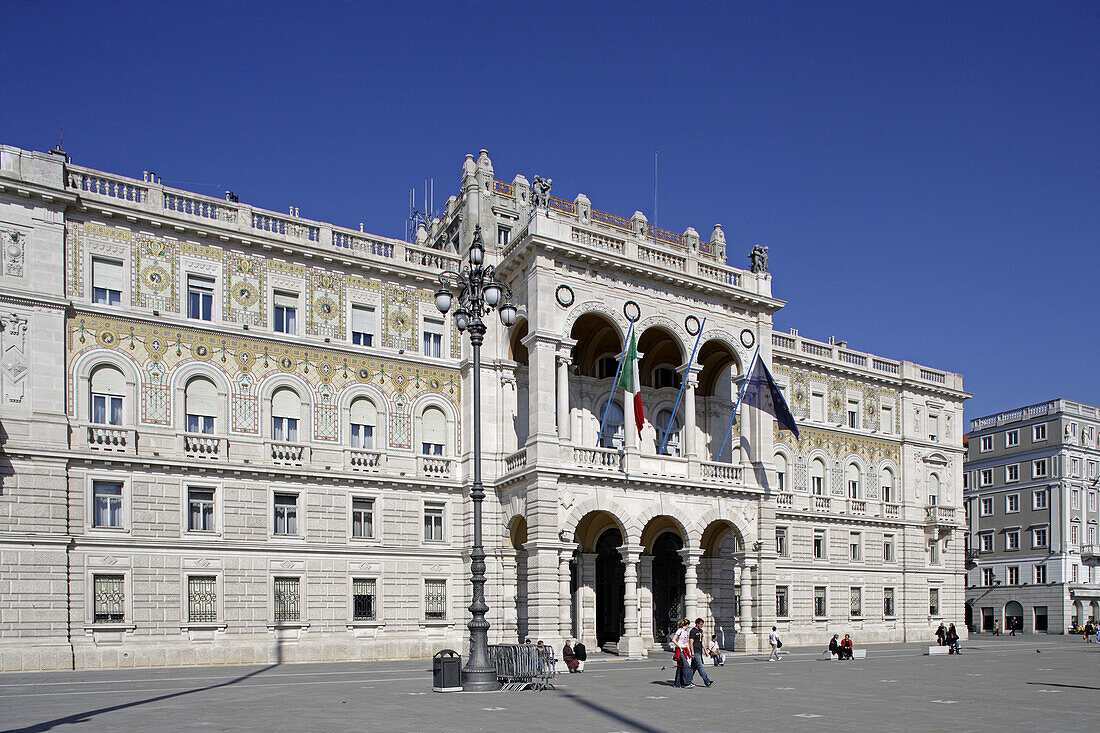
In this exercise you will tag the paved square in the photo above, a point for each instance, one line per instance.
(996, 685)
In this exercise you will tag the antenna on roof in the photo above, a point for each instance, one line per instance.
(654, 196)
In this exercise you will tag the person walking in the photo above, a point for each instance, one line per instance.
(682, 654)
(776, 645)
(698, 649)
(581, 654)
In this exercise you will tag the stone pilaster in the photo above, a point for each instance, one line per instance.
(631, 643)
(691, 559)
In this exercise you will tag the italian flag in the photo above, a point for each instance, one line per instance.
(629, 381)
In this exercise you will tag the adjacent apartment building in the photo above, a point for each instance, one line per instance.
(1032, 511)
(235, 435)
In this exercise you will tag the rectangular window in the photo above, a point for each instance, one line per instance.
(1090, 535)
(431, 449)
(1075, 467)
(1039, 537)
(362, 436)
(284, 429)
(988, 577)
(1039, 499)
(1012, 438)
(200, 298)
(781, 541)
(855, 546)
(1092, 503)
(286, 313)
(782, 607)
(1039, 433)
(1075, 499)
(985, 477)
(362, 518)
(966, 480)
(820, 606)
(818, 484)
(888, 602)
(106, 409)
(1073, 573)
(934, 428)
(202, 599)
(1012, 539)
(433, 522)
(435, 599)
(934, 552)
(855, 605)
(985, 508)
(109, 599)
(1040, 574)
(433, 337)
(503, 235)
(363, 599)
(817, 406)
(1075, 534)
(986, 444)
(1013, 575)
(106, 504)
(780, 480)
(888, 548)
(1012, 503)
(1040, 619)
(1039, 468)
(200, 510)
(819, 544)
(887, 419)
(107, 281)
(288, 607)
(201, 424)
(1012, 472)
(853, 414)
(986, 542)
(933, 601)
(1092, 469)
(362, 325)
(286, 514)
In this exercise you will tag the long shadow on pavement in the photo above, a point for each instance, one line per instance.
(630, 722)
(87, 715)
(1060, 684)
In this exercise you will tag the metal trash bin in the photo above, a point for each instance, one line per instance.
(447, 671)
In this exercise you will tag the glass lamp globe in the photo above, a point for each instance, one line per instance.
(443, 300)
(462, 319)
(477, 252)
(508, 315)
(493, 294)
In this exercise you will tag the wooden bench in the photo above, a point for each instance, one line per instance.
(932, 651)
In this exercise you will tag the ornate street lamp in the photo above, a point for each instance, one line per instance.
(477, 294)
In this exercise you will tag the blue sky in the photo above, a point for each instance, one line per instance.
(925, 174)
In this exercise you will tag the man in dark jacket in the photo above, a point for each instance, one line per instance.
(580, 653)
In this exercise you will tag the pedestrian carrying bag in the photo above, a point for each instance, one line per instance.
(778, 644)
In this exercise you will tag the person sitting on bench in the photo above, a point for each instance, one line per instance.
(845, 651)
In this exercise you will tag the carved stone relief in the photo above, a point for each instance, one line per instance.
(12, 246)
(13, 356)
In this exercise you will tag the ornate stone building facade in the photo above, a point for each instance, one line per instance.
(231, 435)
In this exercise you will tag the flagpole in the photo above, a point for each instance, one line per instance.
(615, 384)
(664, 440)
(748, 373)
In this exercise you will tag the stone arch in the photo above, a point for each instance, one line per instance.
(596, 306)
(744, 524)
(91, 360)
(182, 374)
(624, 518)
(517, 531)
(678, 519)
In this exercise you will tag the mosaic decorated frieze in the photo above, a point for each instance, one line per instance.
(158, 351)
(837, 389)
(839, 447)
(155, 265)
(245, 289)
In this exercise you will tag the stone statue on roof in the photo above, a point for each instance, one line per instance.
(541, 191)
(759, 258)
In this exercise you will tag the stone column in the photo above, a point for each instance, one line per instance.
(691, 559)
(563, 363)
(645, 596)
(747, 625)
(689, 373)
(564, 597)
(587, 599)
(631, 644)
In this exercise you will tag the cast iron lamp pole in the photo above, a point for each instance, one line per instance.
(478, 293)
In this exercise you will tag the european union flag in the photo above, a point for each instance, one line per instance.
(762, 393)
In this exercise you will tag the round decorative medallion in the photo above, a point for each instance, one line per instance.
(155, 278)
(245, 359)
(286, 363)
(748, 338)
(363, 375)
(325, 308)
(155, 347)
(201, 352)
(631, 311)
(107, 338)
(399, 380)
(246, 295)
(325, 368)
(691, 323)
(564, 295)
(400, 322)
(434, 384)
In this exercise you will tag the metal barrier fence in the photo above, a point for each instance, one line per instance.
(521, 665)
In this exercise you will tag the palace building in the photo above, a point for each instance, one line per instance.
(231, 435)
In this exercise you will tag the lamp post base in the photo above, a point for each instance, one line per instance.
(480, 680)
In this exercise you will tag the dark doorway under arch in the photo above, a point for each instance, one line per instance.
(610, 587)
(668, 585)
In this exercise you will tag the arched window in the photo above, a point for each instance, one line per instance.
(612, 435)
(363, 418)
(781, 472)
(672, 445)
(851, 474)
(817, 477)
(108, 388)
(286, 410)
(433, 428)
(933, 489)
(200, 405)
(887, 482)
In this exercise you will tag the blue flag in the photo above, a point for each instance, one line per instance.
(762, 393)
